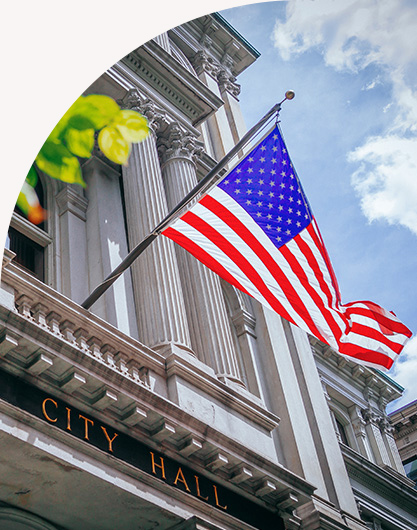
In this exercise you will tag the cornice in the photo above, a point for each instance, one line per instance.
(173, 81)
(385, 481)
(213, 33)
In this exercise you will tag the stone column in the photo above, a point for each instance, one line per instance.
(163, 41)
(162, 320)
(210, 329)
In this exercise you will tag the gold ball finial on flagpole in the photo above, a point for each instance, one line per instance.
(289, 94)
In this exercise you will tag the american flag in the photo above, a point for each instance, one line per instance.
(256, 230)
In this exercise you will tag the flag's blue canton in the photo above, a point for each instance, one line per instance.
(265, 185)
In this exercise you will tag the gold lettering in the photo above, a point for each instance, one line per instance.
(180, 478)
(86, 422)
(197, 485)
(216, 496)
(161, 465)
(44, 409)
(108, 438)
(68, 419)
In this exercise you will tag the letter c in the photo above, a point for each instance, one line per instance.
(44, 409)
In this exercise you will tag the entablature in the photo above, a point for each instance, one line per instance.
(171, 80)
(51, 342)
(385, 481)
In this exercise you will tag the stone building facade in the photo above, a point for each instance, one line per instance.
(176, 402)
(404, 423)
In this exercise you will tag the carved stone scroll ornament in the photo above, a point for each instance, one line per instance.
(202, 62)
(227, 82)
(370, 416)
(175, 143)
(135, 101)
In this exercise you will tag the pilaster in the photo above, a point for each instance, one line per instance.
(391, 447)
(72, 209)
(208, 70)
(372, 419)
(359, 428)
(107, 243)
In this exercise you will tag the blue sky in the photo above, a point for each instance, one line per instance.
(351, 132)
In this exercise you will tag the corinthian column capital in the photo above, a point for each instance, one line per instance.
(227, 82)
(135, 101)
(202, 62)
(175, 143)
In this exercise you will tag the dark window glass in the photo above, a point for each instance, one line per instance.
(342, 432)
(410, 468)
(29, 254)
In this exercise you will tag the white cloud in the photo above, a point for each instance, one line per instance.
(386, 179)
(404, 372)
(352, 35)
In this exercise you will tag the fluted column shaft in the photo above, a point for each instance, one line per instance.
(210, 331)
(157, 288)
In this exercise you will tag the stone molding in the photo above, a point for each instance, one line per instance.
(227, 82)
(69, 200)
(244, 322)
(30, 230)
(175, 83)
(371, 384)
(383, 480)
(203, 62)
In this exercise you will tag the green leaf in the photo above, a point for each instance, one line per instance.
(32, 177)
(55, 160)
(80, 142)
(80, 122)
(29, 203)
(100, 110)
(113, 145)
(131, 125)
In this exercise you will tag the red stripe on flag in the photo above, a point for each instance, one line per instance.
(316, 236)
(364, 354)
(366, 331)
(202, 256)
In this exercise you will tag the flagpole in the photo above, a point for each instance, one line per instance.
(206, 182)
